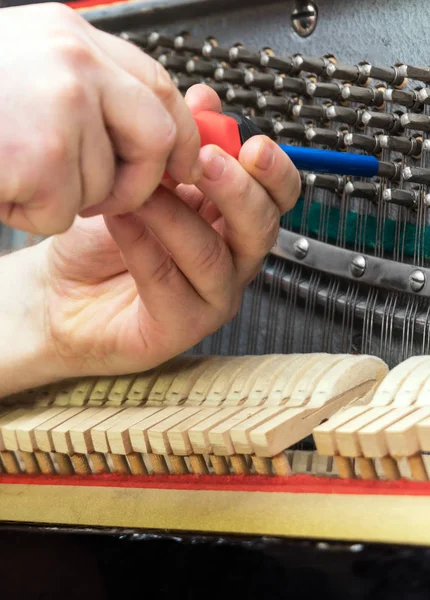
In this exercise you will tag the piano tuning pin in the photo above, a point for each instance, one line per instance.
(362, 189)
(392, 75)
(173, 62)
(184, 82)
(303, 111)
(266, 125)
(408, 146)
(158, 39)
(327, 182)
(200, 67)
(325, 137)
(310, 64)
(229, 75)
(424, 95)
(367, 143)
(189, 44)
(364, 95)
(139, 39)
(351, 73)
(417, 175)
(282, 64)
(286, 129)
(275, 103)
(390, 170)
(380, 120)
(240, 54)
(243, 97)
(415, 121)
(408, 98)
(210, 50)
(344, 114)
(419, 73)
(290, 84)
(407, 198)
(264, 81)
(324, 90)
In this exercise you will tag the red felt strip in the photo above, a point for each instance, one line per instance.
(296, 484)
(78, 4)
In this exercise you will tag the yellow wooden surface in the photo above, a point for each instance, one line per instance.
(358, 518)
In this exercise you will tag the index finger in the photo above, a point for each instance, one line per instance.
(183, 163)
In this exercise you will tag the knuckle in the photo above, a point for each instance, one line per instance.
(161, 83)
(69, 91)
(47, 226)
(55, 148)
(62, 10)
(59, 12)
(165, 141)
(71, 48)
(163, 138)
(165, 272)
(213, 255)
(49, 229)
(191, 139)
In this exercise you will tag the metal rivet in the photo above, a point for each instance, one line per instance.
(358, 266)
(304, 19)
(417, 280)
(301, 248)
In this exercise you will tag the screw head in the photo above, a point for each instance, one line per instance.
(301, 248)
(304, 19)
(417, 280)
(358, 266)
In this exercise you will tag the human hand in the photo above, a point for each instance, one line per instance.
(125, 293)
(88, 121)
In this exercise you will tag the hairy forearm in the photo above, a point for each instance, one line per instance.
(25, 358)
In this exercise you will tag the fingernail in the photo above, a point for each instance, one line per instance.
(214, 167)
(265, 157)
(196, 171)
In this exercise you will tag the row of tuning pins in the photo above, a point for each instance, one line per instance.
(326, 66)
(189, 71)
(213, 61)
(409, 198)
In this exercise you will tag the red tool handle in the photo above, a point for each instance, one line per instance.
(218, 129)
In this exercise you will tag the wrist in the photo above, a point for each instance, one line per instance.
(27, 359)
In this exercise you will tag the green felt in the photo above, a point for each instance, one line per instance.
(361, 231)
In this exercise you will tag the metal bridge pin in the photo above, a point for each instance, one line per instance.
(301, 248)
(417, 280)
(358, 266)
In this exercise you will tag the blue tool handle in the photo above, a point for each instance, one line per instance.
(230, 131)
(327, 161)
